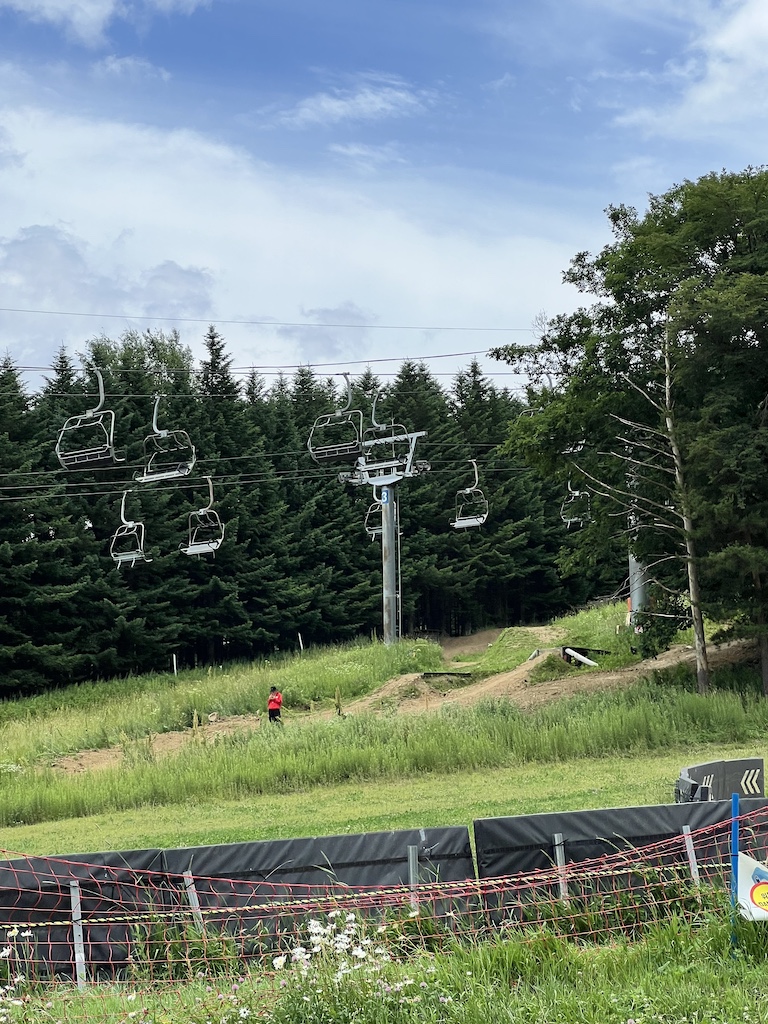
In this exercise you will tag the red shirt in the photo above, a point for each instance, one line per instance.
(275, 701)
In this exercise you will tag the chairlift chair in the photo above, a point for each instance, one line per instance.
(127, 545)
(168, 454)
(205, 529)
(387, 444)
(337, 436)
(88, 440)
(576, 509)
(373, 526)
(471, 505)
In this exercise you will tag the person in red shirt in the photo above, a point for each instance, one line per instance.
(274, 703)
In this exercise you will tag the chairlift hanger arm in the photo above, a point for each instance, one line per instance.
(102, 393)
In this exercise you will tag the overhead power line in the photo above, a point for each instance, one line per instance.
(117, 488)
(257, 323)
(273, 369)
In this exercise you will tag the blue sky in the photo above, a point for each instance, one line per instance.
(417, 164)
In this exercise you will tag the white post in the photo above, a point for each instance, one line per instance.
(691, 854)
(175, 672)
(559, 847)
(77, 932)
(194, 899)
(413, 874)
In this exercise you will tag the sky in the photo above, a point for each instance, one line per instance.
(346, 183)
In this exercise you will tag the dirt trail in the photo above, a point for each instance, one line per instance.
(414, 694)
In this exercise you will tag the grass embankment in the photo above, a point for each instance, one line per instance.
(363, 773)
(423, 801)
(600, 629)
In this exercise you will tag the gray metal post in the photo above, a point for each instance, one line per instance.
(77, 933)
(389, 561)
(559, 847)
(194, 900)
(413, 874)
(691, 854)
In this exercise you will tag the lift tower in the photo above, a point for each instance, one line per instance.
(381, 456)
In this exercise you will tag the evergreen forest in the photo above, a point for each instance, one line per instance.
(296, 566)
(643, 429)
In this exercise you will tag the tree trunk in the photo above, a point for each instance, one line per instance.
(699, 639)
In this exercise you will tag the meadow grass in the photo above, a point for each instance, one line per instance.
(97, 715)
(644, 718)
(427, 800)
(680, 972)
(104, 714)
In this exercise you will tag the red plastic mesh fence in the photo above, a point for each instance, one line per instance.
(81, 925)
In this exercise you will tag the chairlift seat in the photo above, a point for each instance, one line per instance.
(373, 526)
(128, 533)
(202, 547)
(206, 533)
(94, 432)
(471, 505)
(337, 437)
(167, 457)
(95, 436)
(471, 509)
(576, 509)
(168, 454)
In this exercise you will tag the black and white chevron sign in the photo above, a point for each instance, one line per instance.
(750, 782)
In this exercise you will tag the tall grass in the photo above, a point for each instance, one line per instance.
(678, 973)
(92, 716)
(646, 717)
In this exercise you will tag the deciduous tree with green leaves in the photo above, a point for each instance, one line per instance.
(662, 383)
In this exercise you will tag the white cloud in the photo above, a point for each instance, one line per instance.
(720, 84)
(87, 20)
(131, 69)
(324, 341)
(46, 267)
(371, 100)
(115, 218)
(367, 158)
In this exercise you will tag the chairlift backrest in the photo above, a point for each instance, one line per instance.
(88, 440)
(205, 530)
(337, 436)
(373, 525)
(168, 454)
(127, 544)
(576, 509)
(471, 505)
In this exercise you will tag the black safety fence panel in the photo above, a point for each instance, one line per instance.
(367, 859)
(538, 843)
(130, 904)
(279, 879)
(506, 846)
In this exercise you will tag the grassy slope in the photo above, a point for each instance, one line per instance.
(545, 780)
(424, 801)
